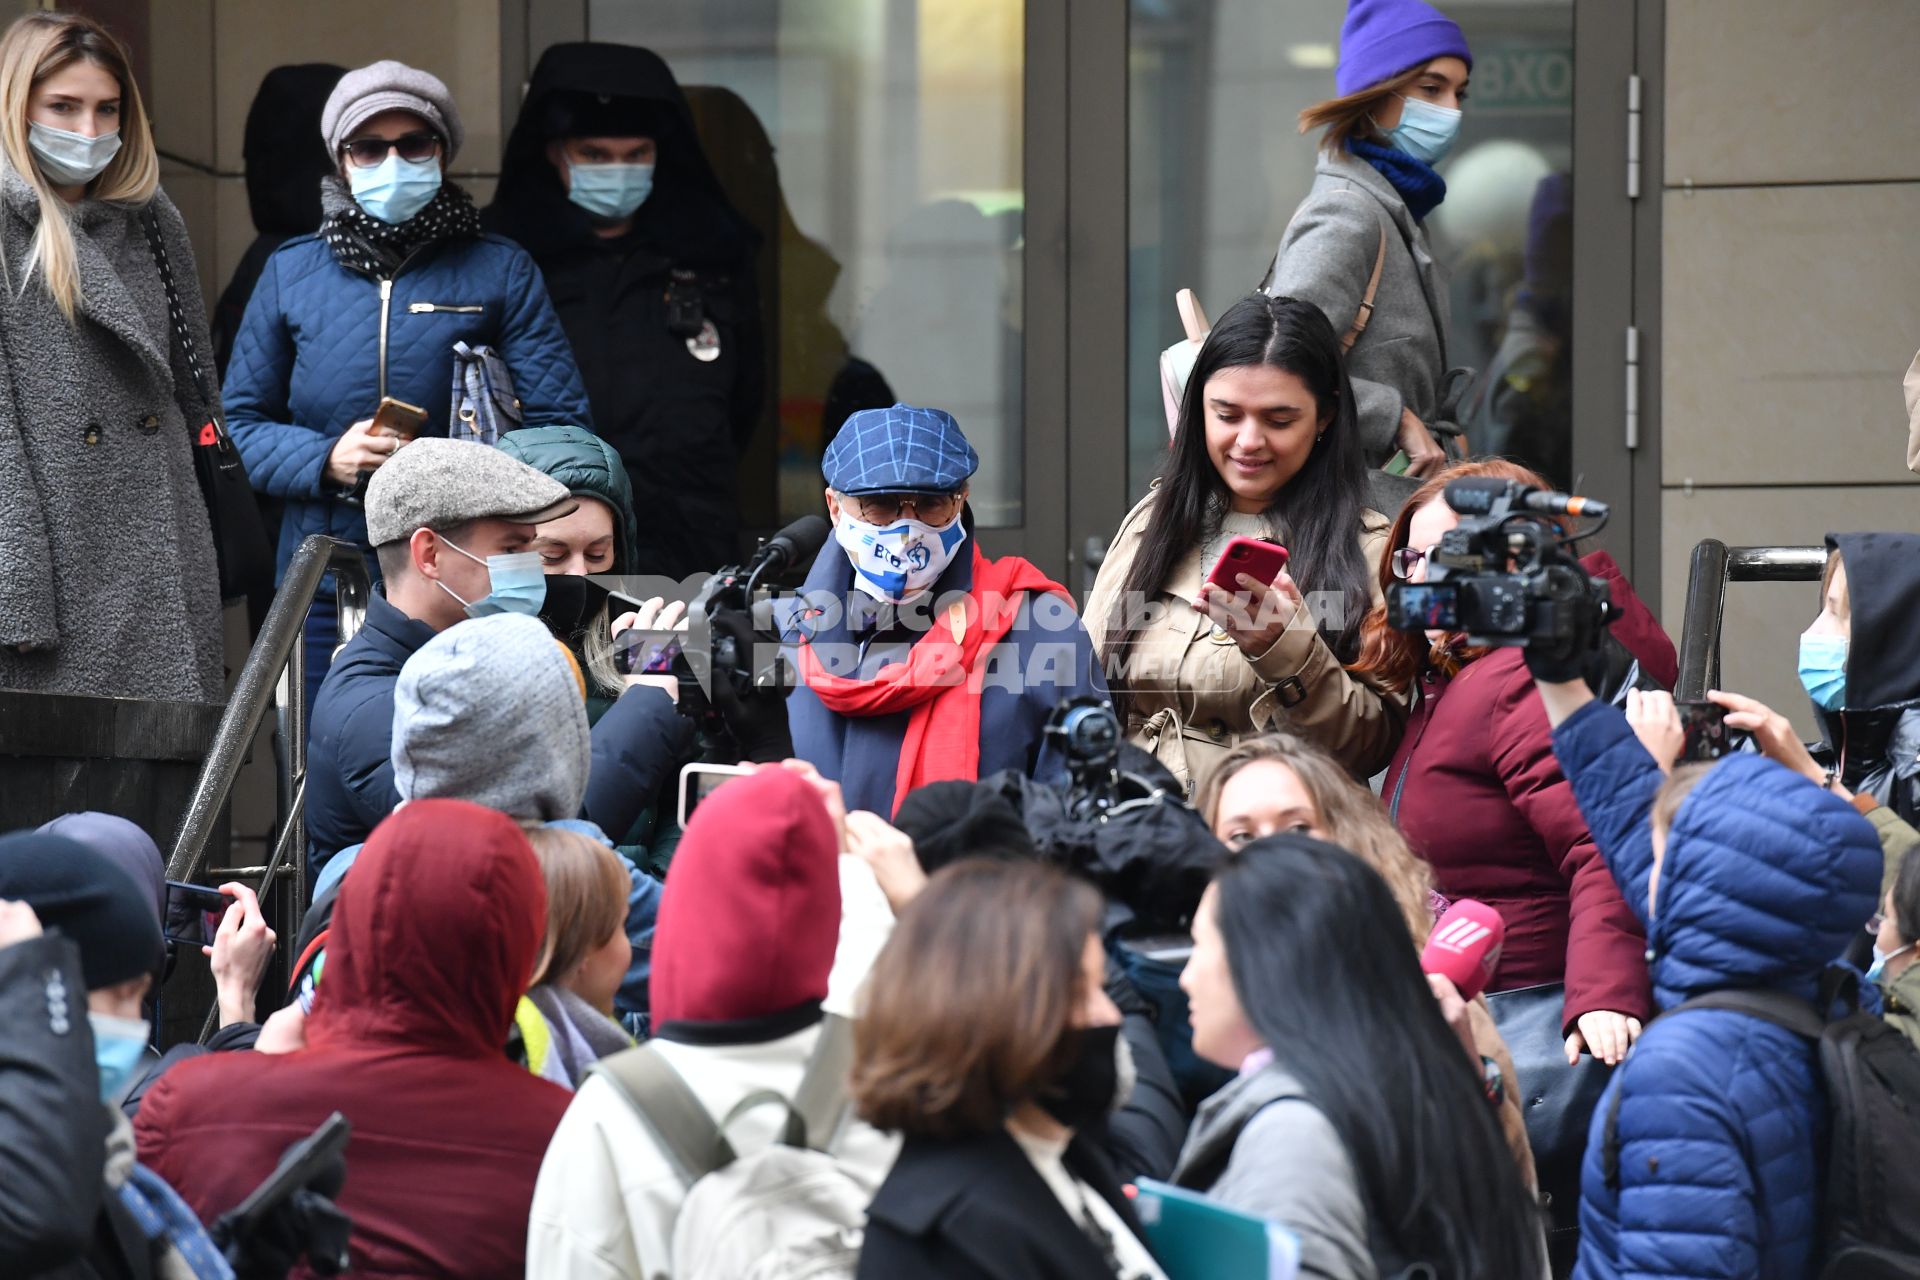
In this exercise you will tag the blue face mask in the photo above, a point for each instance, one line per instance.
(71, 159)
(1823, 670)
(117, 1046)
(611, 191)
(1878, 968)
(1425, 132)
(395, 189)
(516, 584)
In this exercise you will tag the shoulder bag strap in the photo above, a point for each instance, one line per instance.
(210, 404)
(694, 1143)
(1365, 312)
(1788, 1012)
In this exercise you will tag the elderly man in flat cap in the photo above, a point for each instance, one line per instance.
(452, 523)
(920, 658)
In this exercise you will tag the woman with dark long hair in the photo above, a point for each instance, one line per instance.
(1355, 1120)
(1267, 447)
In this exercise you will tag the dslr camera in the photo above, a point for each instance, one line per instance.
(1505, 575)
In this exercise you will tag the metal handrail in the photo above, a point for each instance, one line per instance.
(277, 663)
(1715, 564)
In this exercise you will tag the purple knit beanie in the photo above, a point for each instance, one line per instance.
(1382, 38)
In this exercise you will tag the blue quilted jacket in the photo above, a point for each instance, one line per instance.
(307, 362)
(1722, 1120)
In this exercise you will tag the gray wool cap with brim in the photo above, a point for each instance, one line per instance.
(390, 86)
(435, 483)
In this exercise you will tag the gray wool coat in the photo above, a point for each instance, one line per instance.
(107, 568)
(1326, 256)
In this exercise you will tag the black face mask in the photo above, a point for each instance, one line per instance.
(571, 601)
(1086, 1090)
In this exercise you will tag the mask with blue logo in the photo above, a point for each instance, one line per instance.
(516, 584)
(117, 1046)
(1823, 670)
(610, 191)
(395, 189)
(1425, 132)
(898, 562)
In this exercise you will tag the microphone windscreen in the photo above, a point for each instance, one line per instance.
(1464, 946)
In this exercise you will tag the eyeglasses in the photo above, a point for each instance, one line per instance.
(368, 152)
(885, 508)
(1407, 561)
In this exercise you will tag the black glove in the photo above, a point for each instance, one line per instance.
(1125, 996)
(1571, 658)
(757, 718)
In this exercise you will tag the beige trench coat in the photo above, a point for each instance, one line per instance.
(1194, 695)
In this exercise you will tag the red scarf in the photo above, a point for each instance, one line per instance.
(941, 678)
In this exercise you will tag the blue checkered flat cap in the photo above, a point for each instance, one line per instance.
(899, 450)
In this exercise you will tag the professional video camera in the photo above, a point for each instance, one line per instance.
(1086, 733)
(728, 655)
(1505, 575)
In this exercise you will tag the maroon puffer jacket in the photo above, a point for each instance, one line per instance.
(1481, 797)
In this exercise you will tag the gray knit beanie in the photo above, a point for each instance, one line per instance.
(390, 86)
(492, 710)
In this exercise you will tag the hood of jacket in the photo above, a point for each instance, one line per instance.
(751, 913)
(403, 960)
(1883, 589)
(687, 217)
(493, 710)
(285, 157)
(1765, 881)
(590, 468)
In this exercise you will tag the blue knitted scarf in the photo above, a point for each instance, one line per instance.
(1418, 183)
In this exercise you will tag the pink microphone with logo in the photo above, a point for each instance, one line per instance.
(1464, 946)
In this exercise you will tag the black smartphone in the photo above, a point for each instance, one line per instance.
(646, 653)
(1705, 727)
(194, 913)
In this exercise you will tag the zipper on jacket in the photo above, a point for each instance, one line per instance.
(386, 305)
(431, 308)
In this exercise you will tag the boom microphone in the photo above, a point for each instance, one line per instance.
(798, 543)
(1464, 946)
(1476, 496)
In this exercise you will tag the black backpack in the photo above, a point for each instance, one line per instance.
(1872, 1074)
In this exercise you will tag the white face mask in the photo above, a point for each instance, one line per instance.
(1880, 959)
(901, 561)
(71, 159)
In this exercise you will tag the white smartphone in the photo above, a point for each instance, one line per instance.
(698, 781)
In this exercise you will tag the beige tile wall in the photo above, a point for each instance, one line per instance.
(1791, 298)
(1768, 91)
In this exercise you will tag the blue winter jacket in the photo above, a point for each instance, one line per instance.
(1722, 1118)
(308, 361)
(1046, 659)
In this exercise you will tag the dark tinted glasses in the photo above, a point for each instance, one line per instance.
(368, 152)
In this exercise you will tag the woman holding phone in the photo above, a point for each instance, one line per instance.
(1201, 654)
(365, 312)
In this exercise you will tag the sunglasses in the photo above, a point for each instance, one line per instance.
(368, 152)
(885, 508)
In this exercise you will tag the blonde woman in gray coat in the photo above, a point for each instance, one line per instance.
(1402, 80)
(108, 582)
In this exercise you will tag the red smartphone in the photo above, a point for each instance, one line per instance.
(1258, 559)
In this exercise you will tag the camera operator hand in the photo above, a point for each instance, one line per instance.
(1656, 722)
(1256, 615)
(654, 615)
(757, 718)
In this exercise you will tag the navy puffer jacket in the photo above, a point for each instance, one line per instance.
(307, 362)
(1722, 1120)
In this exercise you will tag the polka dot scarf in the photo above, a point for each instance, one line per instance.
(365, 245)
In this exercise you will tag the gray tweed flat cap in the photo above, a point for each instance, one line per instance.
(390, 86)
(435, 484)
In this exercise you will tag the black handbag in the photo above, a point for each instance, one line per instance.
(240, 540)
(1556, 1100)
